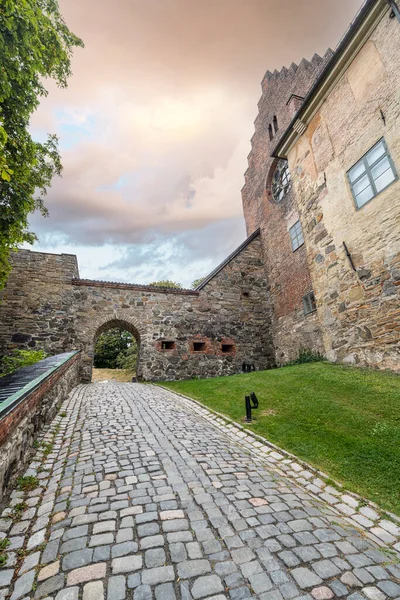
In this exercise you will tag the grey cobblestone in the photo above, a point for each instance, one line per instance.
(165, 591)
(206, 586)
(134, 580)
(72, 593)
(6, 577)
(142, 592)
(123, 549)
(152, 501)
(50, 585)
(75, 532)
(101, 553)
(306, 578)
(126, 564)
(155, 557)
(326, 569)
(69, 546)
(80, 558)
(116, 588)
(193, 568)
(23, 585)
(158, 575)
(92, 591)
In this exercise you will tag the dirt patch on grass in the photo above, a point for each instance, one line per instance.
(122, 375)
(268, 413)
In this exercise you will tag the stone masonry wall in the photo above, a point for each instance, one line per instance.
(359, 310)
(21, 426)
(287, 271)
(32, 305)
(43, 307)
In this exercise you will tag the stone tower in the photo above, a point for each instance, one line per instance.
(286, 269)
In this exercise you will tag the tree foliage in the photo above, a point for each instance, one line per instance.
(166, 283)
(197, 282)
(128, 359)
(115, 349)
(35, 43)
(18, 359)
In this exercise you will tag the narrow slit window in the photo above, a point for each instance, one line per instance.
(296, 236)
(373, 173)
(167, 345)
(271, 133)
(309, 303)
(199, 346)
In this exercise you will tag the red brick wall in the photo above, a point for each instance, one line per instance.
(29, 404)
(20, 426)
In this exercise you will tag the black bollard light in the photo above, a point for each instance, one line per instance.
(250, 403)
(254, 400)
(248, 409)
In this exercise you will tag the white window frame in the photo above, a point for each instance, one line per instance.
(368, 172)
(308, 304)
(296, 235)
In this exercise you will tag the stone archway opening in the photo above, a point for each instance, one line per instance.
(116, 351)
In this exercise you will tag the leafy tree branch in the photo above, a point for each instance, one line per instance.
(35, 44)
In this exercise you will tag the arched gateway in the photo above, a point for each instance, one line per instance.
(113, 321)
(213, 330)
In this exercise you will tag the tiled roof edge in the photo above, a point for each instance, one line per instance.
(132, 286)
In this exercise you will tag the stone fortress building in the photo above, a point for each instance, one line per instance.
(322, 185)
(320, 269)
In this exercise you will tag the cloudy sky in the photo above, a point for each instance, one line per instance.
(155, 127)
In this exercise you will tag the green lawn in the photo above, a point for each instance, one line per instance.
(344, 421)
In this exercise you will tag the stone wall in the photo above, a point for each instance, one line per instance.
(287, 271)
(43, 307)
(359, 310)
(32, 305)
(20, 427)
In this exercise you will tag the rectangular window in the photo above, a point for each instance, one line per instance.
(227, 348)
(296, 236)
(371, 174)
(167, 345)
(309, 303)
(199, 346)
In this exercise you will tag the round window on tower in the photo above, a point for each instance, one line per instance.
(281, 181)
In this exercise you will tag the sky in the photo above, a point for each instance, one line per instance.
(155, 127)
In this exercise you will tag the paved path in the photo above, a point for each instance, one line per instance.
(141, 498)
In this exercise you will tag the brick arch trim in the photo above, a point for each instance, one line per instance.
(118, 319)
(268, 181)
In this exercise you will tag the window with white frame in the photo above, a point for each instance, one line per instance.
(371, 174)
(296, 235)
(309, 303)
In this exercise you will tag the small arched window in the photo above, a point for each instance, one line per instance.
(275, 122)
(271, 133)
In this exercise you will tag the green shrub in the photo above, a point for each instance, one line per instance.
(305, 356)
(18, 359)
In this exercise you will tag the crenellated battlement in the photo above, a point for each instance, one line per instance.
(282, 93)
(286, 72)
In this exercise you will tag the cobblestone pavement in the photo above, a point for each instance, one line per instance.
(139, 497)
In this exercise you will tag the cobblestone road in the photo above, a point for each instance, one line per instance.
(141, 498)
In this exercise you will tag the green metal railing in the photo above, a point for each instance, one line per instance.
(16, 386)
